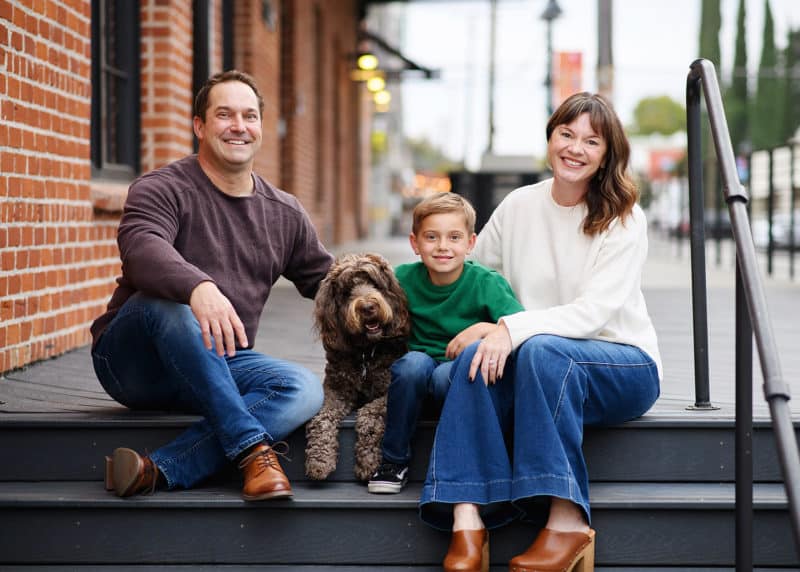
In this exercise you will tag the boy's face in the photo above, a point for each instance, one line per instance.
(442, 242)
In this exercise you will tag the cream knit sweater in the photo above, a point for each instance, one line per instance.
(571, 284)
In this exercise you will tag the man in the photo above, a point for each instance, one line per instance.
(202, 241)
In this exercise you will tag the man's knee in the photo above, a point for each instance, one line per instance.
(306, 391)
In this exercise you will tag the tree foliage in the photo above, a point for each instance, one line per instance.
(792, 85)
(736, 96)
(710, 23)
(660, 114)
(766, 118)
(428, 157)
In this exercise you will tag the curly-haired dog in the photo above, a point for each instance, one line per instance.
(362, 317)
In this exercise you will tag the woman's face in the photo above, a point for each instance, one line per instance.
(575, 151)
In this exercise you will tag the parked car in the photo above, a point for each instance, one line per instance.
(780, 231)
(713, 228)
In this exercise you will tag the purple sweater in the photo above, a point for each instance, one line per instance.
(178, 230)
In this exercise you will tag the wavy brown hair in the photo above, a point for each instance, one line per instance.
(612, 192)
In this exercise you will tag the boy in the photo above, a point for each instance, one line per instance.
(451, 303)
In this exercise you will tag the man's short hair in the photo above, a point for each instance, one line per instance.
(443, 203)
(201, 100)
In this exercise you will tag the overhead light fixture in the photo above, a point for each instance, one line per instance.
(367, 61)
(376, 84)
(382, 97)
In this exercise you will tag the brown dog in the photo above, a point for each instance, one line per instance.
(362, 318)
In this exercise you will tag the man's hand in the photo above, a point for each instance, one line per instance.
(217, 318)
(466, 337)
(491, 354)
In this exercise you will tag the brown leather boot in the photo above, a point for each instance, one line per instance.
(263, 476)
(128, 473)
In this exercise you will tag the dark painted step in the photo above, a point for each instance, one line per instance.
(639, 524)
(318, 568)
(655, 448)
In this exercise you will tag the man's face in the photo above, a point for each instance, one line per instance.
(230, 133)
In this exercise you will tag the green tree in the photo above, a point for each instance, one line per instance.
(792, 85)
(660, 114)
(710, 23)
(767, 112)
(736, 106)
(427, 157)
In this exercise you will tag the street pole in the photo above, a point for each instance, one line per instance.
(550, 13)
(492, 48)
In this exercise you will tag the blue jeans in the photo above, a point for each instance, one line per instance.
(505, 445)
(415, 377)
(151, 356)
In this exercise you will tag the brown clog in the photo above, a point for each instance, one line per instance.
(468, 552)
(555, 551)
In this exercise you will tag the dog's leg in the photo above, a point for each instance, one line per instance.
(370, 422)
(322, 436)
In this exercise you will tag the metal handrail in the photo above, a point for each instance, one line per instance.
(751, 314)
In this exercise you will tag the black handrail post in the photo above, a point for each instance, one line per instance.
(776, 391)
(770, 214)
(702, 399)
(744, 429)
(792, 204)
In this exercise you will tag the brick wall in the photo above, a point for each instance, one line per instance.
(257, 47)
(58, 253)
(322, 109)
(49, 266)
(166, 68)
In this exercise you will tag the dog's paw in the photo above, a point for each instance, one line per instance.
(319, 471)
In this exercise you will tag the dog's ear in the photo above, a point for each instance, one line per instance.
(384, 277)
(325, 308)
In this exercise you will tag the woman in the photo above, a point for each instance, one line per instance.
(583, 352)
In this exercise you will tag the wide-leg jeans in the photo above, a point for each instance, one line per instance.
(151, 356)
(507, 445)
(416, 377)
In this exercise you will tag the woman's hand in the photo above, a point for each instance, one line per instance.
(467, 337)
(491, 354)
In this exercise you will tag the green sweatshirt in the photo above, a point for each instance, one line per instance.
(439, 313)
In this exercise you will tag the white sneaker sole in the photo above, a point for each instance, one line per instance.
(384, 488)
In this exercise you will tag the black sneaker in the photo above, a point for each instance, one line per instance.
(389, 478)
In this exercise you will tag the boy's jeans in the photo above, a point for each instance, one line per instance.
(415, 377)
(151, 356)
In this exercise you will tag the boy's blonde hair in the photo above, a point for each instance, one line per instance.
(443, 203)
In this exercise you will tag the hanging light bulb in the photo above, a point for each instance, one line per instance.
(367, 61)
(382, 97)
(376, 84)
